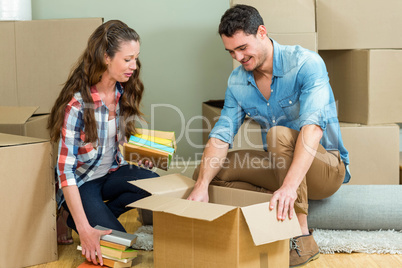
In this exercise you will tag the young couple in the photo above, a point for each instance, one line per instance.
(284, 88)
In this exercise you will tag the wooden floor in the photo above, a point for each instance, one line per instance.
(70, 257)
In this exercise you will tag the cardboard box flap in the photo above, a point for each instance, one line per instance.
(165, 184)
(264, 226)
(16, 115)
(12, 140)
(183, 207)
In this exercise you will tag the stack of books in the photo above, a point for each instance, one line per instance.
(116, 248)
(152, 145)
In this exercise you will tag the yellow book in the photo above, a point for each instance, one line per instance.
(163, 141)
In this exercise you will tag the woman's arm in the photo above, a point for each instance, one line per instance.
(89, 237)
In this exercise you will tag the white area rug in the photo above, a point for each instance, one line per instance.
(348, 241)
(145, 238)
(329, 241)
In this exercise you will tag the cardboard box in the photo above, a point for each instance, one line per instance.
(22, 121)
(284, 16)
(373, 153)
(8, 68)
(306, 40)
(37, 57)
(359, 24)
(29, 208)
(236, 229)
(248, 136)
(366, 84)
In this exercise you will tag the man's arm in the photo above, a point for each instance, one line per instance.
(305, 151)
(211, 163)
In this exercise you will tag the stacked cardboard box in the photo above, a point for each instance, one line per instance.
(363, 55)
(288, 22)
(36, 59)
(28, 209)
(32, 76)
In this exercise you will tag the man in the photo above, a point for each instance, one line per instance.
(286, 90)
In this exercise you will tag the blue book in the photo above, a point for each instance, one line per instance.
(142, 142)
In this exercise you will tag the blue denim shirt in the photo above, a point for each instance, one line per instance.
(300, 95)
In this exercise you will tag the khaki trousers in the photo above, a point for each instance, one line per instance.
(265, 171)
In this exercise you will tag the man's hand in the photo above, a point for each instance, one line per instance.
(90, 244)
(285, 198)
(199, 193)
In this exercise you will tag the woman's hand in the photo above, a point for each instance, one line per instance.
(89, 238)
(146, 164)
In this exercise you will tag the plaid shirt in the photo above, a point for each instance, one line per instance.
(77, 160)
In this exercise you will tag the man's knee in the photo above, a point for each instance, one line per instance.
(279, 136)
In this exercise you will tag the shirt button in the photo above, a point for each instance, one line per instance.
(290, 102)
(267, 103)
(273, 121)
(272, 90)
(248, 113)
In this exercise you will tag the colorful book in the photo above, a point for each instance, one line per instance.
(106, 262)
(113, 262)
(135, 153)
(118, 237)
(113, 245)
(150, 144)
(155, 146)
(163, 141)
(118, 254)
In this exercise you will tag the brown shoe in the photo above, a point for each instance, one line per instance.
(303, 249)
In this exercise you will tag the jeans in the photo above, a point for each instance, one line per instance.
(105, 199)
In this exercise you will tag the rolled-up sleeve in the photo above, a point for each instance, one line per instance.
(68, 147)
(317, 104)
(232, 116)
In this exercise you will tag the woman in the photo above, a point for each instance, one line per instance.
(93, 114)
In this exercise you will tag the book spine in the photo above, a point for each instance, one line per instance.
(135, 153)
(137, 140)
(118, 240)
(159, 140)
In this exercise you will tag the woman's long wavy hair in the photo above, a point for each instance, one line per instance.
(88, 71)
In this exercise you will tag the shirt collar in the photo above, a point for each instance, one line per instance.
(97, 99)
(277, 62)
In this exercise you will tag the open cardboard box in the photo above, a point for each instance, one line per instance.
(20, 120)
(235, 229)
(29, 208)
